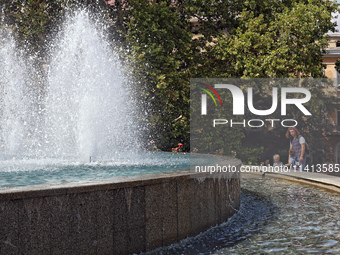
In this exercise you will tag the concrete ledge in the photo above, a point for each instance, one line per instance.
(319, 180)
(121, 215)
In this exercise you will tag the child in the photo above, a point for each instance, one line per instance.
(277, 162)
(292, 159)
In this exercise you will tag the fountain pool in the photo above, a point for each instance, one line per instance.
(25, 172)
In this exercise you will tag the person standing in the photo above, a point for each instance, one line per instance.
(298, 143)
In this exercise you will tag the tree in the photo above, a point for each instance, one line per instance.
(160, 38)
(254, 39)
(287, 43)
(290, 44)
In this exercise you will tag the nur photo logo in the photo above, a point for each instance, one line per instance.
(243, 99)
(238, 100)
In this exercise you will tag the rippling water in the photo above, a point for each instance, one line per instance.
(32, 172)
(275, 217)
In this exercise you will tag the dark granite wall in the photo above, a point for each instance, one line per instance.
(132, 215)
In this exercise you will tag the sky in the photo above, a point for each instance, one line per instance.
(337, 19)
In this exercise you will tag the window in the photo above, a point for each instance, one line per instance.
(337, 44)
(337, 81)
(337, 121)
(337, 153)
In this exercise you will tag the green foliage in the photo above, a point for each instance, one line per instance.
(288, 44)
(160, 39)
(251, 156)
(337, 65)
(33, 20)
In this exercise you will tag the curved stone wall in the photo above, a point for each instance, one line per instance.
(121, 215)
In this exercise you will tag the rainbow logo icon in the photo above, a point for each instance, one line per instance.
(209, 93)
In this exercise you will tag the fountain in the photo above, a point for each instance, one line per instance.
(73, 177)
(74, 114)
(15, 97)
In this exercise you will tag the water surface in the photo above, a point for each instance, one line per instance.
(275, 217)
(22, 172)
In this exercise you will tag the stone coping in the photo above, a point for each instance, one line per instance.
(61, 188)
(320, 180)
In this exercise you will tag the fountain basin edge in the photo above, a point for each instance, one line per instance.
(120, 215)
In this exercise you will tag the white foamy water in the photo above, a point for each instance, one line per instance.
(15, 98)
(81, 108)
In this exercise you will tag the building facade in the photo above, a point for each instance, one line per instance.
(329, 59)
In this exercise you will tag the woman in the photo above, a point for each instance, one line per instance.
(298, 143)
